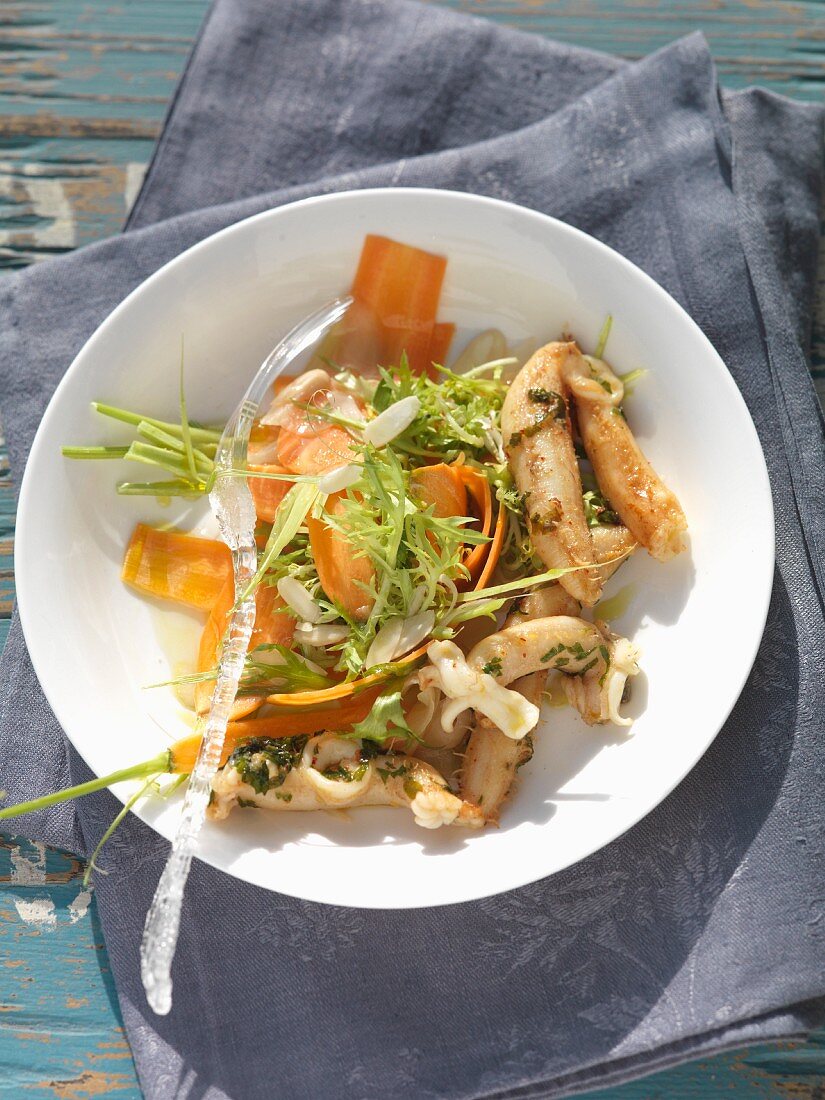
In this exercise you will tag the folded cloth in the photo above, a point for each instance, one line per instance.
(700, 929)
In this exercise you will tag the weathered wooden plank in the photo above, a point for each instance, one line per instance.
(98, 82)
(60, 1034)
(84, 87)
(773, 43)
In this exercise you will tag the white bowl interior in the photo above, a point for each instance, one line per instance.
(95, 644)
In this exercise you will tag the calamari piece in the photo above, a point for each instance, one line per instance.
(613, 544)
(597, 698)
(580, 649)
(536, 429)
(492, 759)
(646, 506)
(330, 772)
(522, 654)
(424, 718)
(477, 688)
(447, 762)
(543, 603)
(436, 736)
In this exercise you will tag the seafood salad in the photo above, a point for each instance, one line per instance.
(432, 546)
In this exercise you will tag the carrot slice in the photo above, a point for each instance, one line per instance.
(401, 286)
(341, 569)
(442, 486)
(340, 716)
(495, 549)
(396, 291)
(479, 490)
(177, 567)
(273, 625)
(267, 492)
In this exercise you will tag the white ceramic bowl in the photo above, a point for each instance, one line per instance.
(95, 644)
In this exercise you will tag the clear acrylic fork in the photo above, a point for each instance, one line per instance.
(232, 505)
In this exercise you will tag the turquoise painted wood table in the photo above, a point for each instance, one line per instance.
(83, 88)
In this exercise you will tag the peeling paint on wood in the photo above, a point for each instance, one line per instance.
(83, 89)
(86, 1086)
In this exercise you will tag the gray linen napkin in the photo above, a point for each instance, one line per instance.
(700, 929)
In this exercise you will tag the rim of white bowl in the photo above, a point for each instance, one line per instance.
(413, 194)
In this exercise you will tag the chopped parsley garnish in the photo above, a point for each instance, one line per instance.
(390, 772)
(556, 405)
(605, 655)
(493, 667)
(264, 763)
(343, 774)
(576, 650)
(386, 719)
(549, 519)
(526, 752)
(598, 378)
(554, 652)
(598, 511)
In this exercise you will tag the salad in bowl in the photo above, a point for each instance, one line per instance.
(432, 544)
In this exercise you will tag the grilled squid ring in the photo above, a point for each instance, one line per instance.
(597, 697)
(333, 767)
(584, 651)
(562, 642)
(491, 758)
(388, 779)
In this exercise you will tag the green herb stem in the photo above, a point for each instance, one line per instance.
(531, 582)
(94, 452)
(173, 488)
(630, 378)
(160, 456)
(290, 515)
(169, 442)
(92, 865)
(331, 417)
(198, 434)
(483, 368)
(601, 344)
(156, 766)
